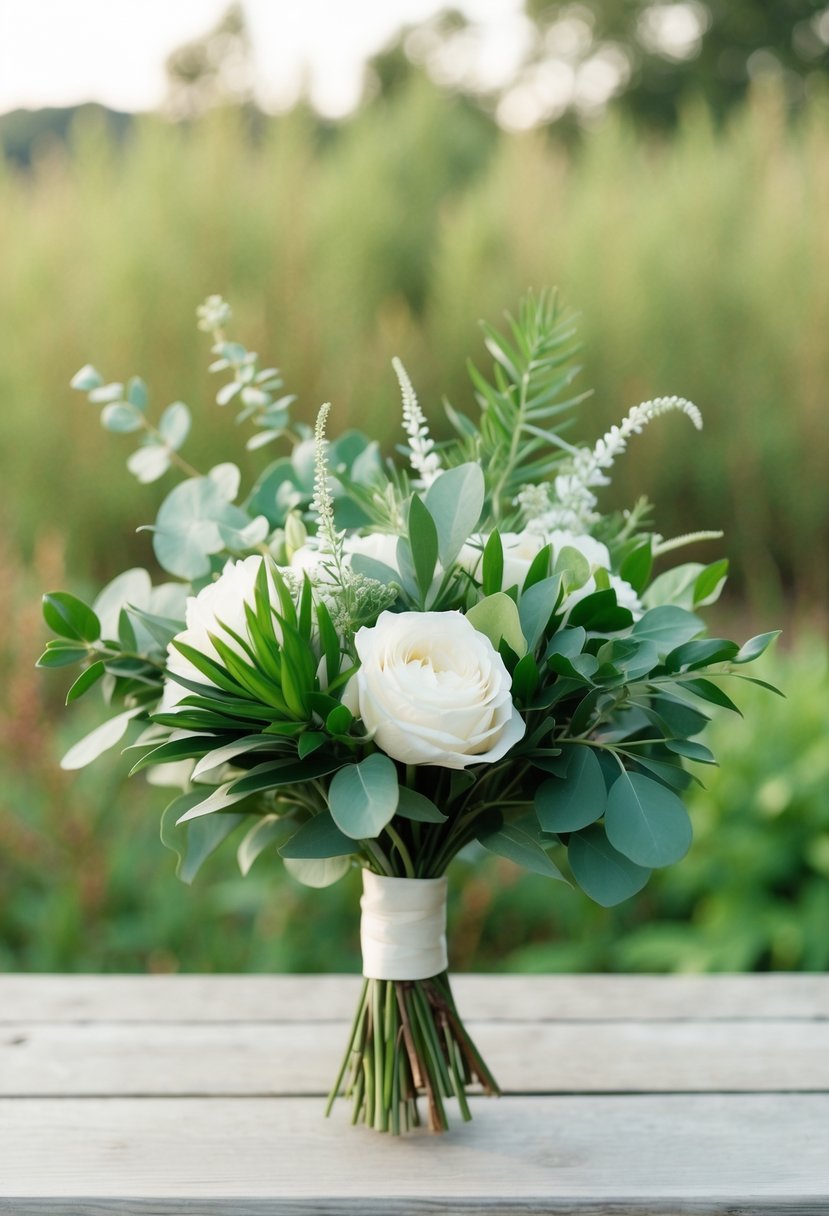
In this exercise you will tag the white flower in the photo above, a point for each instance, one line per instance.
(521, 549)
(318, 565)
(219, 603)
(433, 690)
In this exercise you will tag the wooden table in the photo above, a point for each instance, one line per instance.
(639, 1095)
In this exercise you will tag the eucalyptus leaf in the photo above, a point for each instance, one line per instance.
(667, 627)
(535, 607)
(318, 837)
(603, 873)
(412, 805)
(322, 872)
(646, 821)
(149, 462)
(566, 805)
(363, 797)
(267, 831)
(496, 616)
(455, 500)
(519, 847)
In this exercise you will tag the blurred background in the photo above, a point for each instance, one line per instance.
(368, 180)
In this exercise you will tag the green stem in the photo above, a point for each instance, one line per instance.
(405, 856)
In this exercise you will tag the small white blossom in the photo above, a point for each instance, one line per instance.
(422, 455)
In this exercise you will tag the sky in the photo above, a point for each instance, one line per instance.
(61, 52)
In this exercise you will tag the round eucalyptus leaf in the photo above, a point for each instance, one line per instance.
(571, 803)
(174, 424)
(363, 797)
(323, 872)
(603, 873)
(646, 821)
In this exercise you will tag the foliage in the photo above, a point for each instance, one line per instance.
(718, 230)
(588, 684)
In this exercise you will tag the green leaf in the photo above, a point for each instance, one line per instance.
(756, 646)
(99, 740)
(636, 567)
(535, 607)
(492, 564)
(607, 876)
(646, 821)
(573, 567)
(691, 750)
(363, 797)
(539, 568)
(576, 801)
(195, 842)
(675, 586)
(525, 679)
(319, 837)
(519, 847)
(322, 872)
(273, 775)
(455, 501)
(361, 563)
(708, 691)
(121, 418)
(60, 653)
(70, 617)
(136, 393)
(668, 627)
(86, 379)
(709, 583)
(149, 462)
(678, 718)
(339, 721)
(423, 544)
(412, 805)
(174, 425)
(310, 741)
(568, 642)
(85, 681)
(700, 653)
(600, 613)
(218, 800)
(267, 831)
(497, 617)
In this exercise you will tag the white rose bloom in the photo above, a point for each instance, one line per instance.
(382, 546)
(520, 550)
(222, 601)
(433, 690)
(310, 560)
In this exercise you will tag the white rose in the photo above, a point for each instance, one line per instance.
(520, 550)
(310, 560)
(433, 691)
(222, 601)
(382, 546)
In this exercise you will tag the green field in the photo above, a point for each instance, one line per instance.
(699, 267)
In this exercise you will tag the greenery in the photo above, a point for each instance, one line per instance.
(716, 290)
(719, 229)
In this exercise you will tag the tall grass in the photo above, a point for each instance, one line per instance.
(699, 268)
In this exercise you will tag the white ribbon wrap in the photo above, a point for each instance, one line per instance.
(403, 927)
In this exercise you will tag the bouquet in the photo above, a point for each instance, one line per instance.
(379, 663)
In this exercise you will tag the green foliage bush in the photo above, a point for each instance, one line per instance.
(698, 266)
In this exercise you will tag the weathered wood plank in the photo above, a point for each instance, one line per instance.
(260, 998)
(302, 1058)
(655, 1154)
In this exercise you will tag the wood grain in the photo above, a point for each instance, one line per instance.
(291, 1058)
(260, 998)
(531, 1153)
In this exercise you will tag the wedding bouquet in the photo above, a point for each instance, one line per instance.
(380, 664)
